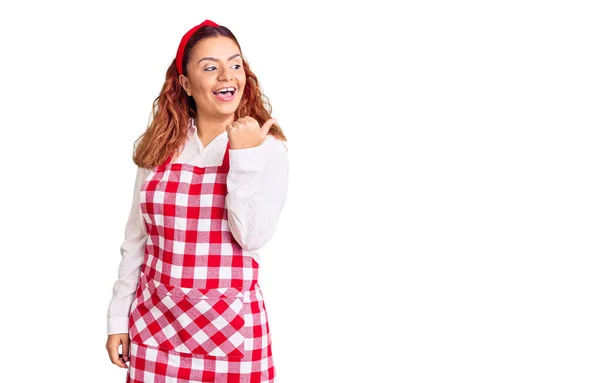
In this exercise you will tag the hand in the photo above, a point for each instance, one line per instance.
(246, 133)
(112, 346)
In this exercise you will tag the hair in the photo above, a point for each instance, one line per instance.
(173, 108)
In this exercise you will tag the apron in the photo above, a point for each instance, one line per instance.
(198, 313)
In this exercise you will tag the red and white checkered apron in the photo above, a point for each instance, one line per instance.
(198, 313)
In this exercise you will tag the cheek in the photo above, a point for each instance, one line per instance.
(242, 81)
(203, 87)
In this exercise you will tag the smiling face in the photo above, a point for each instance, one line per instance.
(215, 64)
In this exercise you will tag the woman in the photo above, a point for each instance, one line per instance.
(211, 182)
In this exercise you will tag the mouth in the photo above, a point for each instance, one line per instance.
(225, 94)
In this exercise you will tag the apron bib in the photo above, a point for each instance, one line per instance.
(193, 294)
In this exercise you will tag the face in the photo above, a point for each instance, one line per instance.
(215, 64)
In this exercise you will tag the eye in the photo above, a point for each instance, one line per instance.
(207, 69)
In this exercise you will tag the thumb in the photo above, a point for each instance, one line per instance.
(264, 130)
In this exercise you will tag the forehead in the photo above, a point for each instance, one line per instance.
(219, 47)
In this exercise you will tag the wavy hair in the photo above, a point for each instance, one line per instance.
(172, 109)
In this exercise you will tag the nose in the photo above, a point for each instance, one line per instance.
(226, 74)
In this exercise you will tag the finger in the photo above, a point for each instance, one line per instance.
(249, 123)
(253, 123)
(264, 130)
(126, 349)
(248, 120)
(113, 353)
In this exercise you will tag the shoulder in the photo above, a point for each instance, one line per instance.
(274, 145)
(142, 173)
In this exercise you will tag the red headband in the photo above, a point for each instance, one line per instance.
(184, 40)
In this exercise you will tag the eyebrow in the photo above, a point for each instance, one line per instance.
(214, 59)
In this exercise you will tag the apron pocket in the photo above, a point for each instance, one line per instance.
(196, 321)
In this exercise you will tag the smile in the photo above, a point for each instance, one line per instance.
(225, 94)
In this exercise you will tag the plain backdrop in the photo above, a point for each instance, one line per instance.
(443, 210)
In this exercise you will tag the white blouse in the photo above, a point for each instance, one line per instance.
(256, 184)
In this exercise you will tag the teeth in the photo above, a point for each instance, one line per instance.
(225, 90)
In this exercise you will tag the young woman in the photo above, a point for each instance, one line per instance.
(211, 182)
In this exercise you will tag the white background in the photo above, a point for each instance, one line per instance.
(443, 209)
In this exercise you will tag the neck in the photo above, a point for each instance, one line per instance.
(210, 127)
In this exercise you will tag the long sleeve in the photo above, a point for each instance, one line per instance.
(132, 256)
(257, 187)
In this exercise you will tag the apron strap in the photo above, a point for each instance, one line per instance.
(167, 161)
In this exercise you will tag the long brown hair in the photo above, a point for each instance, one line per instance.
(173, 108)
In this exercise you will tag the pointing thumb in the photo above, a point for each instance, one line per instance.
(264, 130)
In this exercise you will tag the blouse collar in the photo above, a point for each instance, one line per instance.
(192, 129)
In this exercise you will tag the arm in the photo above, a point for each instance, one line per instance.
(132, 256)
(257, 187)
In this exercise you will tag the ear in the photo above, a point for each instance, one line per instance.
(185, 84)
